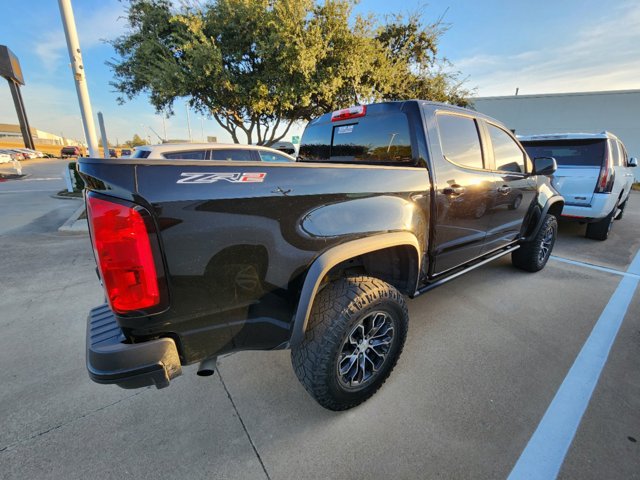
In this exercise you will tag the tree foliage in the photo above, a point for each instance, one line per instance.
(258, 66)
(136, 141)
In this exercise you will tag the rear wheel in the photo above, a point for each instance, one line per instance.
(600, 230)
(532, 256)
(356, 333)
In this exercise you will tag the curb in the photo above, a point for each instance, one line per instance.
(75, 224)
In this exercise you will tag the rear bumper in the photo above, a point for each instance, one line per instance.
(128, 365)
(601, 205)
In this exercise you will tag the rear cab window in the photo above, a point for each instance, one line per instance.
(383, 136)
(570, 152)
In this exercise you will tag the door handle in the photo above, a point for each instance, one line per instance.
(504, 189)
(453, 190)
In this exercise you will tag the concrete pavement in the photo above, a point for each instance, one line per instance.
(485, 356)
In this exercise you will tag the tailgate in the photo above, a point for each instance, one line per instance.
(576, 184)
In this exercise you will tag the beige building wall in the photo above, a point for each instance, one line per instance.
(615, 111)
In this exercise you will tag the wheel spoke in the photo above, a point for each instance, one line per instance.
(365, 350)
(349, 361)
(378, 322)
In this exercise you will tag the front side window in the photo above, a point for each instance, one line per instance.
(233, 154)
(506, 152)
(460, 140)
(192, 155)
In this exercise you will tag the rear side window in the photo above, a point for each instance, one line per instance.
(189, 155)
(460, 140)
(383, 139)
(232, 154)
(569, 153)
(506, 152)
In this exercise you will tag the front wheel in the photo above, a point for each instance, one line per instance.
(356, 332)
(532, 256)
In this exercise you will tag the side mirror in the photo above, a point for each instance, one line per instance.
(633, 162)
(544, 166)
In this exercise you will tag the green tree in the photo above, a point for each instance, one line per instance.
(258, 66)
(136, 141)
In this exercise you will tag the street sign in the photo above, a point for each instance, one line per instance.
(295, 139)
(212, 139)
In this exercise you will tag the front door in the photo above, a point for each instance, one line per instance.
(514, 187)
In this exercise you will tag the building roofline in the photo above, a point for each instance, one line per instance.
(566, 94)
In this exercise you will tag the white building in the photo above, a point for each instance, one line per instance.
(12, 132)
(615, 111)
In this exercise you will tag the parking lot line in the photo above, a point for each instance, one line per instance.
(595, 267)
(543, 456)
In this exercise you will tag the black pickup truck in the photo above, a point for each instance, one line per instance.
(203, 258)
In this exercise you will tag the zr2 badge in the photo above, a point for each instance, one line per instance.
(212, 177)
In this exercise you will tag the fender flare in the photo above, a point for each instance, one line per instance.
(338, 254)
(553, 200)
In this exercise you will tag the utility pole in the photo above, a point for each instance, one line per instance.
(164, 128)
(188, 122)
(75, 56)
(202, 127)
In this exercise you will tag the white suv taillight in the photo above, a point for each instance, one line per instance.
(606, 177)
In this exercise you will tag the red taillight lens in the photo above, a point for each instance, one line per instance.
(124, 256)
(347, 113)
(606, 177)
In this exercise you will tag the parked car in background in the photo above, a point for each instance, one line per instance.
(125, 152)
(30, 153)
(113, 153)
(70, 151)
(212, 151)
(594, 176)
(7, 157)
(286, 147)
(17, 154)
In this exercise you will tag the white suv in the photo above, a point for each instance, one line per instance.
(593, 175)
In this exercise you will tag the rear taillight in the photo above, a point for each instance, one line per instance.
(347, 113)
(606, 177)
(123, 251)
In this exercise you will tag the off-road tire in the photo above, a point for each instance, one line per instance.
(337, 309)
(600, 230)
(532, 256)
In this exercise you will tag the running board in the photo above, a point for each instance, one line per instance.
(437, 283)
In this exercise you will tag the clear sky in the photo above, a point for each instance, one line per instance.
(541, 47)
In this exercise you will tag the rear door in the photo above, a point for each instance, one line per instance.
(579, 163)
(465, 191)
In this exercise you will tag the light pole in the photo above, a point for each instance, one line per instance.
(188, 122)
(75, 56)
